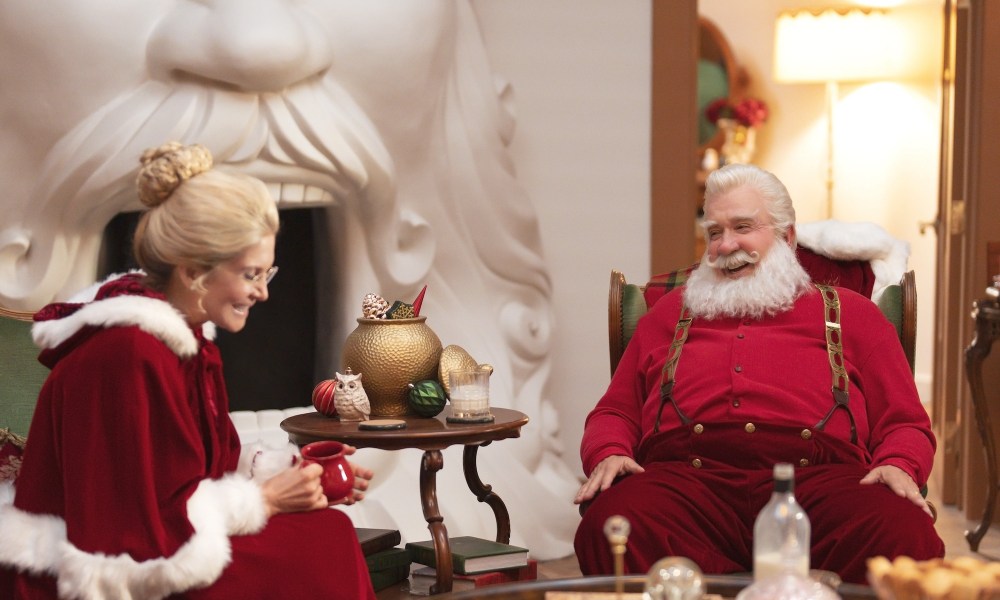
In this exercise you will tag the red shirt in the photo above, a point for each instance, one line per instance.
(772, 371)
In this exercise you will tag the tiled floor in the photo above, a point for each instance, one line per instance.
(951, 526)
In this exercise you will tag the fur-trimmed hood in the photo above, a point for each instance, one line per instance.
(34, 541)
(119, 300)
(858, 241)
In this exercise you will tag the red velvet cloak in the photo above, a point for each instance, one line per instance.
(128, 489)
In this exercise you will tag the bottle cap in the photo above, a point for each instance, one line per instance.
(784, 471)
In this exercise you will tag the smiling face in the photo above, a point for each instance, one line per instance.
(234, 286)
(740, 231)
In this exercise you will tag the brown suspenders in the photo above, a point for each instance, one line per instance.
(834, 348)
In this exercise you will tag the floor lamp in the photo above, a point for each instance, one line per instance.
(832, 47)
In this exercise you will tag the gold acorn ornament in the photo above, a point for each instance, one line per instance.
(456, 358)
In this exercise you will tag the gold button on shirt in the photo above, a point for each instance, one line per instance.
(750, 428)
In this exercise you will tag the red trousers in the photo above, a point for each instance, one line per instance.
(707, 514)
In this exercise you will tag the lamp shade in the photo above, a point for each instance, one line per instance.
(838, 45)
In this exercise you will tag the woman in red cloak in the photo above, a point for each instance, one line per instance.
(129, 487)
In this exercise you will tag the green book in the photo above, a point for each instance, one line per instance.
(393, 557)
(386, 577)
(470, 555)
(377, 540)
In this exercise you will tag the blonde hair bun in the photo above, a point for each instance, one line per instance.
(166, 167)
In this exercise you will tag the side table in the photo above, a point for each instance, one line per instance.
(986, 312)
(431, 435)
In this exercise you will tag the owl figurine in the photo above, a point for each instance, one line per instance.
(350, 398)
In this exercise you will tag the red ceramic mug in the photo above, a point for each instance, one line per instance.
(338, 477)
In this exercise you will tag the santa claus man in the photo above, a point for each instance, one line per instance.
(731, 374)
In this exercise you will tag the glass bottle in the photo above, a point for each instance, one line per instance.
(781, 531)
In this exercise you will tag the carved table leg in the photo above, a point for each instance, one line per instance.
(484, 493)
(431, 463)
(986, 332)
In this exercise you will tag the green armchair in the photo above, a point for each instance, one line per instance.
(628, 301)
(21, 375)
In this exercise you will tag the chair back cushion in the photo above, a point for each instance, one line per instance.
(21, 376)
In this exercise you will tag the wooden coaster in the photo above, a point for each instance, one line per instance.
(484, 419)
(382, 424)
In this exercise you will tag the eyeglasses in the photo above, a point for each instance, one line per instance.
(266, 276)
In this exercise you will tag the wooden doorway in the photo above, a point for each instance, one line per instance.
(967, 223)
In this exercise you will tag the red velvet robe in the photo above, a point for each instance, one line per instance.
(754, 391)
(128, 489)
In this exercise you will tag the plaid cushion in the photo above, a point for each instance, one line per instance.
(11, 450)
(659, 285)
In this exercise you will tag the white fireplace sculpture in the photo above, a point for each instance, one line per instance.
(385, 112)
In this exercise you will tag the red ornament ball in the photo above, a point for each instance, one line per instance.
(322, 397)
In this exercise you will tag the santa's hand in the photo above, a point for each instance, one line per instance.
(604, 474)
(899, 482)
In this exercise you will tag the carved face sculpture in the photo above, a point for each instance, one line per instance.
(281, 89)
(385, 112)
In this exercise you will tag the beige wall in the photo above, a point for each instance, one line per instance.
(580, 76)
(887, 139)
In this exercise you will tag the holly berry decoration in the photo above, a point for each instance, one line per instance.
(322, 397)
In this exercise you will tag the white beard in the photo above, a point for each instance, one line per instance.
(777, 282)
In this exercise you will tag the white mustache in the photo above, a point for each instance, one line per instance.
(733, 260)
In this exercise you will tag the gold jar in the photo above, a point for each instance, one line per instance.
(390, 354)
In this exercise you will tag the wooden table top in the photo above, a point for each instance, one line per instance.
(424, 433)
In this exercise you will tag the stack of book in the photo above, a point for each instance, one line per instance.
(387, 563)
(476, 562)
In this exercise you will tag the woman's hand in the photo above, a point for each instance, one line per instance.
(298, 488)
(604, 474)
(294, 489)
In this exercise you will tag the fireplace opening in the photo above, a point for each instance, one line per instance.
(284, 349)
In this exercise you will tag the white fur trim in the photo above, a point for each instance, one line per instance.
(241, 499)
(88, 293)
(27, 541)
(156, 317)
(216, 510)
(260, 463)
(858, 241)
